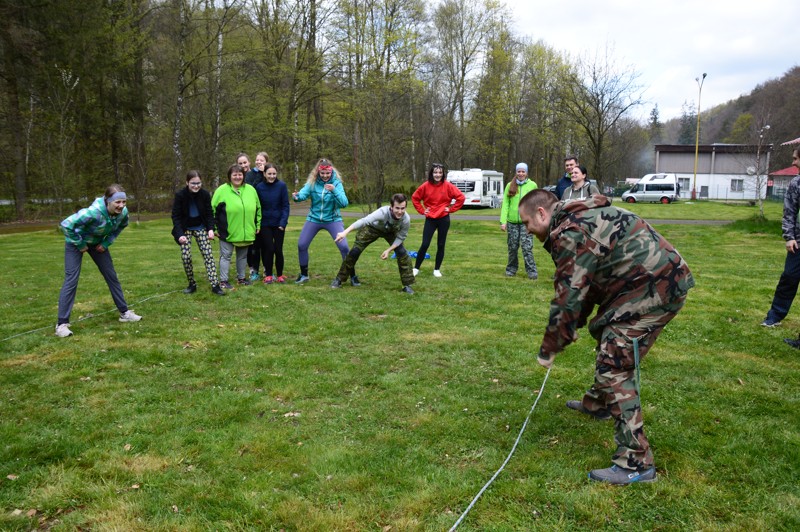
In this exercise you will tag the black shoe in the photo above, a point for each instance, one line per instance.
(408, 290)
(601, 415)
(217, 290)
(794, 343)
(354, 281)
(191, 289)
(336, 283)
(243, 282)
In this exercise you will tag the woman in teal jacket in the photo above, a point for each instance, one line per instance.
(324, 188)
(513, 225)
(237, 212)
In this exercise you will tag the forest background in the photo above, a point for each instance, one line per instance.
(141, 91)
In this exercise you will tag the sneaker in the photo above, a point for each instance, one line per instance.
(415, 271)
(129, 316)
(62, 331)
(601, 414)
(408, 290)
(216, 289)
(622, 476)
(794, 343)
(437, 273)
(281, 279)
(769, 322)
(354, 281)
(510, 274)
(268, 279)
(226, 285)
(243, 282)
(336, 283)
(533, 276)
(191, 289)
(254, 276)
(301, 279)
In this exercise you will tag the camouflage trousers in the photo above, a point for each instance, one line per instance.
(366, 236)
(518, 236)
(616, 387)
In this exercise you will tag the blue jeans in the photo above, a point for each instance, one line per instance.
(73, 259)
(786, 289)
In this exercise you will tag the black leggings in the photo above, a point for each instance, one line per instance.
(270, 241)
(431, 225)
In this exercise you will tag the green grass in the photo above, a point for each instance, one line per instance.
(303, 408)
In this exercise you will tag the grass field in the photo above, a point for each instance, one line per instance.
(303, 408)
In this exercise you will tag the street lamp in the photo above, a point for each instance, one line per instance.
(697, 135)
(759, 182)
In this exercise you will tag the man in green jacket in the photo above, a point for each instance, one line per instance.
(609, 258)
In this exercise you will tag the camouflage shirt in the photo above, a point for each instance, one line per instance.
(610, 258)
(791, 204)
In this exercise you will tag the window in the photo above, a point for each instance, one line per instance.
(737, 185)
(684, 183)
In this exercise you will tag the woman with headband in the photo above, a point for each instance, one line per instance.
(324, 188)
(92, 230)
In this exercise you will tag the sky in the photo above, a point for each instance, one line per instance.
(739, 44)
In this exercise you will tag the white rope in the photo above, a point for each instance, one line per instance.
(90, 316)
(514, 448)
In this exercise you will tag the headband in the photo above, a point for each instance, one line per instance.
(325, 167)
(522, 166)
(116, 196)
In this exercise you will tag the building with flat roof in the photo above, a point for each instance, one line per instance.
(724, 171)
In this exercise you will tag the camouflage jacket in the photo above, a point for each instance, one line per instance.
(610, 258)
(791, 204)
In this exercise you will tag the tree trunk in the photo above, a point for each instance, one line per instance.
(15, 118)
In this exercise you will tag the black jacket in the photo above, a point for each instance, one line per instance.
(180, 211)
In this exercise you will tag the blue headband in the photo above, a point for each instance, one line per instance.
(522, 166)
(116, 196)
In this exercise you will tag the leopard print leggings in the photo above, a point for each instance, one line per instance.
(205, 250)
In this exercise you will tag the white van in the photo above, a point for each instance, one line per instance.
(662, 188)
(481, 188)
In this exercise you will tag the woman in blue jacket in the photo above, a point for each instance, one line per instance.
(274, 198)
(324, 188)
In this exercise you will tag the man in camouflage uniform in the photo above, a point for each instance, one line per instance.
(611, 258)
(390, 223)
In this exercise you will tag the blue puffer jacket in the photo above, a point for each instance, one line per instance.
(325, 205)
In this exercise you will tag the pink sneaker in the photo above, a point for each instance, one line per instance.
(268, 279)
(281, 278)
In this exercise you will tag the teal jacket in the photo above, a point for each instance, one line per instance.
(509, 212)
(237, 214)
(324, 205)
(93, 225)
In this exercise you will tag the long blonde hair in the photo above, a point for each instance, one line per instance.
(312, 177)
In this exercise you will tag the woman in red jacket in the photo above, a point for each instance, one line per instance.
(436, 199)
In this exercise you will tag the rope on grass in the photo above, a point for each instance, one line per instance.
(90, 316)
(514, 448)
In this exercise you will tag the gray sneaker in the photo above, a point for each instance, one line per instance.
(129, 316)
(408, 290)
(622, 476)
(336, 283)
(601, 414)
(62, 331)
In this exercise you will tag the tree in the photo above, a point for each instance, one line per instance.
(598, 100)
(687, 130)
(656, 128)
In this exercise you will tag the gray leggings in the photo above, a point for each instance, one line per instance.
(73, 259)
(225, 254)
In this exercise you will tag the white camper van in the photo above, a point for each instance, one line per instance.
(662, 188)
(481, 188)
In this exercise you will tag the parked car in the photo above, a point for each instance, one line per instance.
(660, 188)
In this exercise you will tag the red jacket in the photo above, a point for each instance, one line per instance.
(436, 201)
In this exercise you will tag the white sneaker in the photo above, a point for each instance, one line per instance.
(437, 273)
(416, 271)
(62, 331)
(129, 316)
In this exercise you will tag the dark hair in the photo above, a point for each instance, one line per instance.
(571, 158)
(191, 174)
(399, 198)
(430, 172)
(111, 190)
(537, 198)
(234, 168)
(583, 170)
(268, 166)
(242, 154)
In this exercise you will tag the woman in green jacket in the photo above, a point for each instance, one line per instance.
(237, 212)
(513, 225)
